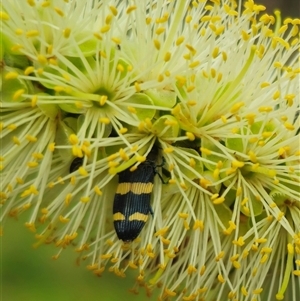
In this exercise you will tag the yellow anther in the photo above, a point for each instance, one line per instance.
(38, 156)
(214, 196)
(221, 278)
(31, 138)
(51, 147)
(204, 183)
(160, 30)
(104, 120)
(215, 52)
(276, 95)
(105, 28)
(264, 258)
(190, 136)
(169, 292)
(236, 264)
(170, 122)
(140, 159)
(265, 109)
(199, 224)
(160, 78)
(205, 151)
(236, 107)
(261, 240)
(85, 199)
(123, 130)
(120, 68)
(220, 256)
(252, 156)
(30, 226)
(245, 35)
(289, 126)
(82, 171)
(68, 199)
(191, 269)
(32, 33)
(219, 200)
(244, 291)
(114, 10)
(224, 119)
(266, 250)
(97, 190)
(257, 291)
(12, 127)
(63, 219)
(156, 44)
(167, 56)
(73, 139)
(4, 16)
(32, 164)
(237, 164)
(240, 242)
(130, 9)
(161, 232)
(179, 40)
(194, 64)
(190, 89)
(192, 162)
(251, 118)
(290, 249)
(168, 150)
(18, 94)
(11, 75)
(183, 215)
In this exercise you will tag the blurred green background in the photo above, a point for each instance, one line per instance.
(30, 274)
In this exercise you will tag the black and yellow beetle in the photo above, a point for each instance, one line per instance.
(132, 199)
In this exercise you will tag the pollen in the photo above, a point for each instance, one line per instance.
(68, 199)
(32, 164)
(82, 171)
(104, 120)
(236, 107)
(131, 9)
(221, 278)
(179, 40)
(205, 151)
(252, 156)
(219, 200)
(4, 16)
(123, 131)
(240, 242)
(237, 164)
(51, 147)
(289, 126)
(85, 199)
(18, 94)
(168, 150)
(31, 138)
(105, 28)
(98, 191)
(265, 109)
(171, 122)
(73, 139)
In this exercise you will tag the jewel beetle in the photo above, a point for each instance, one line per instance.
(131, 205)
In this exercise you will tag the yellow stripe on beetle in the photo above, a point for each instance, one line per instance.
(136, 188)
(137, 216)
(119, 217)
